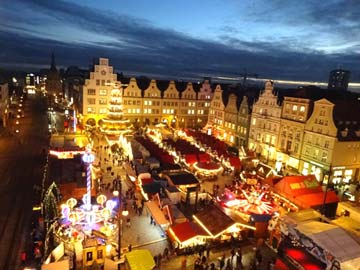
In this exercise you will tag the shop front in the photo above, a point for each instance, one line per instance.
(314, 168)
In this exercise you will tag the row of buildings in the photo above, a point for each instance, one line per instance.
(312, 130)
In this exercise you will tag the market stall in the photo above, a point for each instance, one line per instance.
(317, 243)
(187, 234)
(306, 192)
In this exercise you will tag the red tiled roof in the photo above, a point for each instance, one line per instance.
(187, 230)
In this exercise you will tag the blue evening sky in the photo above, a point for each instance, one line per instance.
(280, 39)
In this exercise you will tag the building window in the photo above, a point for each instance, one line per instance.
(324, 157)
(102, 101)
(97, 82)
(91, 101)
(103, 92)
(91, 110)
(91, 92)
(254, 121)
(294, 108)
(302, 108)
(103, 111)
(103, 82)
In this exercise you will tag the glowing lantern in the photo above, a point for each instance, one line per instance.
(71, 202)
(106, 213)
(101, 199)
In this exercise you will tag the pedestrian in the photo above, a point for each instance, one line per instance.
(207, 251)
(166, 253)
(222, 261)
(23, 257)
(212, 266)
(129, 248)
(228, 264)
(258, 256)
(183, 263)
(151, 220)
(159, 260)
(128, 224)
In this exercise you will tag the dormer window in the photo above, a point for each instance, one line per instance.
(344, 132)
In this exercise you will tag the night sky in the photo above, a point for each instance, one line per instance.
(279, 39)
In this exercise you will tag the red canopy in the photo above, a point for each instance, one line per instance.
(298, 185)
(190, 159)
(187, 230)
(316, 199)
(235, 162)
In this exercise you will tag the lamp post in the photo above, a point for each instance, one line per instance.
(326, 190)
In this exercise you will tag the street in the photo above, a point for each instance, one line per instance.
(21, 167)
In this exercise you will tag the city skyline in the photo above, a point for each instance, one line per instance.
(188, 40)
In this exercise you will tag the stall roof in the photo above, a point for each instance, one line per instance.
(297, 185)
(187, 230)
(182, 178)
(157, 214)
(152, 188)
(140, 259)
(264, 170)
(332, 238)
(213, 220)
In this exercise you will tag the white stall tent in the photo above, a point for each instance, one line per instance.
(335, 240)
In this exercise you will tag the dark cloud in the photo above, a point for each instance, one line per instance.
(135, 46)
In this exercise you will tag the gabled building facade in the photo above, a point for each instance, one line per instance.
(294, 114)
(230, 120)
(152, 104)
(188, 108)
(170, 105)
(265, 124)
(204, 97)
(331, 147)
(96, 92)
(216, 115)
(133, 103)
(243, 123)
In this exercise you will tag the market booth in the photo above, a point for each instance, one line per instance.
(317, 244)
(306, 192)
(219, 225)
(139, 260)
(187, 234)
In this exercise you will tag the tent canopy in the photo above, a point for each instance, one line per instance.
(140, 260)
(332, 238)
(186, 230)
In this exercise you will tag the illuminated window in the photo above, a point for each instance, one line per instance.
(294, 108)
(102, 101)
(302, 108)
(103, 92)
(91, 110)
(254, 121)
(97, 82)
(103, 110)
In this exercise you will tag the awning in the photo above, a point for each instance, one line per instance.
(315, 199)
(156, 213)
(140, 260)
(235, 162)
(185, 231)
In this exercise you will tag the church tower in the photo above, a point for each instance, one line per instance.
(53, 81)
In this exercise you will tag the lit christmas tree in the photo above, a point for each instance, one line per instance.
(114, 123)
